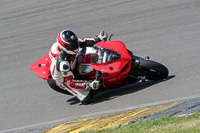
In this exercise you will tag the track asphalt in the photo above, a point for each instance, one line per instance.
(175, 109)
(168, 31)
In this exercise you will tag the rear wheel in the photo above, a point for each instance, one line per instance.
(53, 85)
(150, 69)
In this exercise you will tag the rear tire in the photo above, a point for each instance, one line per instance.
(53, 85)
(151, 69)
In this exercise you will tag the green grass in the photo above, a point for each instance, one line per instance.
(167, 124)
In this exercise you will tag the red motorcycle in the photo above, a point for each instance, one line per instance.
(110, 62)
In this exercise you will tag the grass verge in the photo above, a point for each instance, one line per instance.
(167, 124)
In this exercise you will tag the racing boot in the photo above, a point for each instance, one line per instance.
(88, 99)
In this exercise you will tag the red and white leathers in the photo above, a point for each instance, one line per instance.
(62, 67)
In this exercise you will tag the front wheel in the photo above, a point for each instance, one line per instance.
(150, 69)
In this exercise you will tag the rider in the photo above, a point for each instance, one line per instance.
(63, 56)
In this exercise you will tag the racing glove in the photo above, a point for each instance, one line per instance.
(102, 36)
(94, 85)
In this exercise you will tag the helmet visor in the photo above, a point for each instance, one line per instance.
(73, 45)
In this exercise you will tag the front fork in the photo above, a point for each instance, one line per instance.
(135, 68)
(136, 60)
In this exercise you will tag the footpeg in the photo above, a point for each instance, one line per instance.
(147, 58)
(142, 78)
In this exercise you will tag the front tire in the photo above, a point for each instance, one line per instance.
(151, 69)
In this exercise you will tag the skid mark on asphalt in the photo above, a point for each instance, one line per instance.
(108, 121)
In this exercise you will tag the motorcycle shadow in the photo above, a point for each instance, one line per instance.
(111, 94)
(117, 92)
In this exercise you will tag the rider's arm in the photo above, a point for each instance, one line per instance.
(87, 42)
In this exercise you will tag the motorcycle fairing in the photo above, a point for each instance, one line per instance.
(42, 67)
(114, 66)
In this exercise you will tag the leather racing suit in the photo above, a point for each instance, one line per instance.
(63, 66)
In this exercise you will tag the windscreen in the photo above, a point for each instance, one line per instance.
(104, 55)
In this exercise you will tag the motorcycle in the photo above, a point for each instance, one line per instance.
(110, 62)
